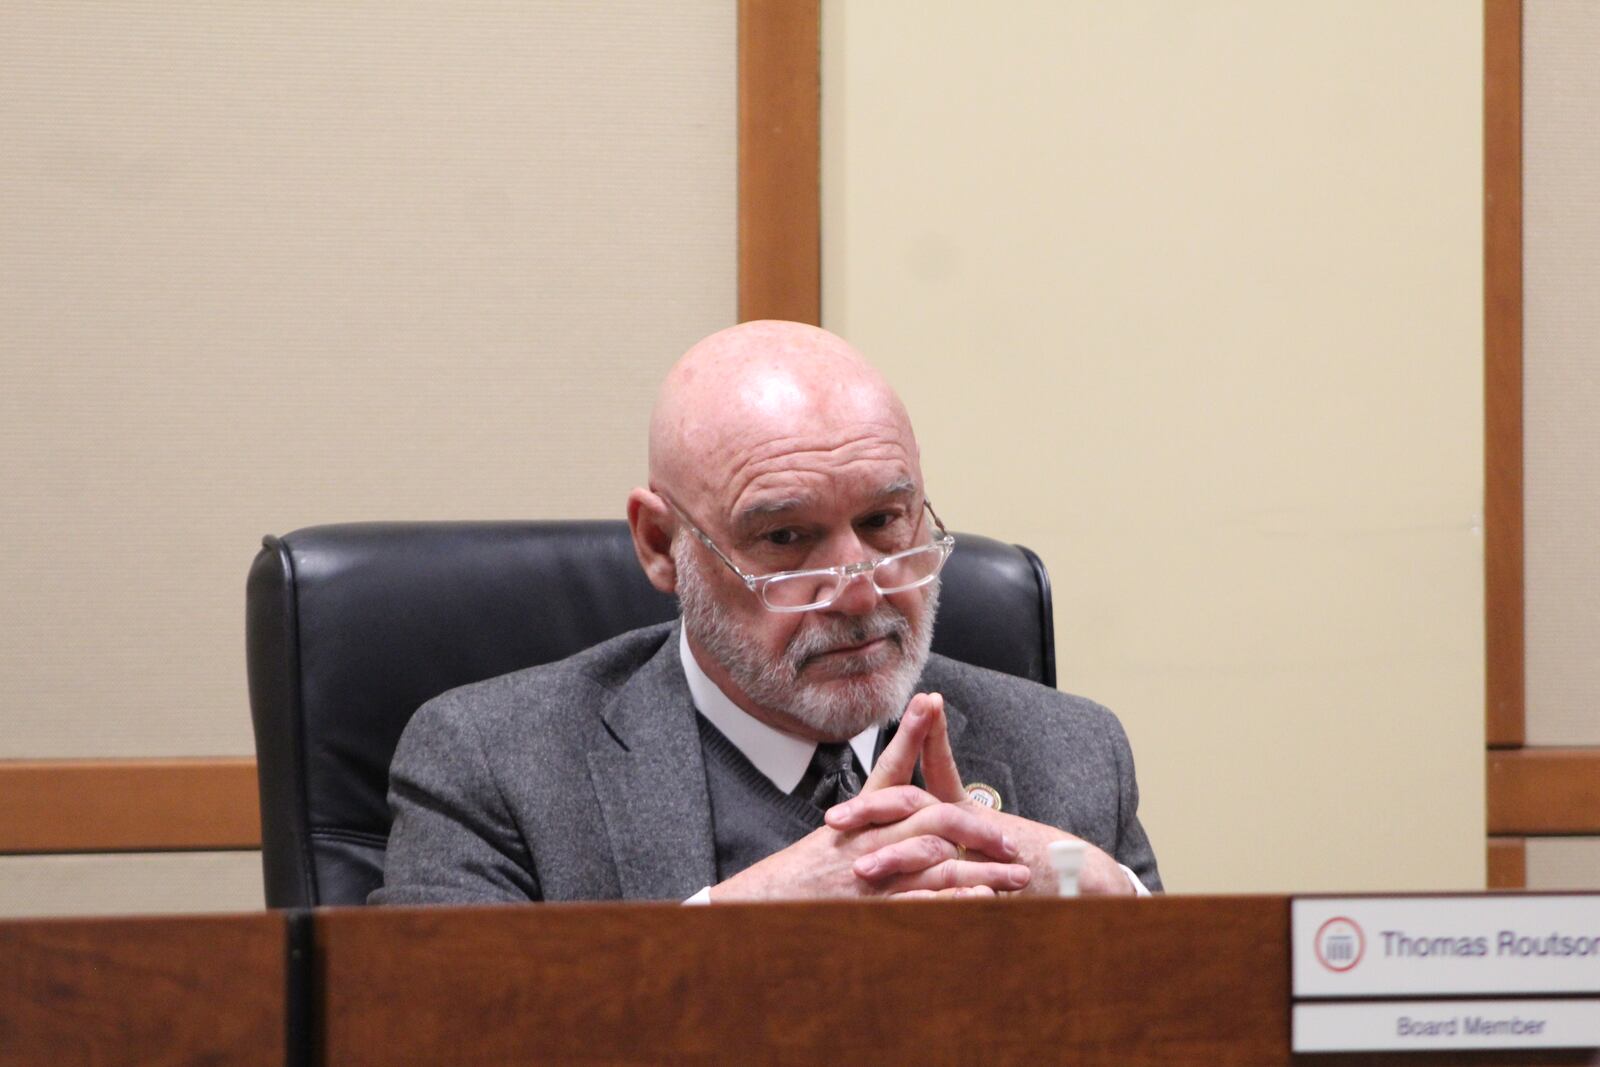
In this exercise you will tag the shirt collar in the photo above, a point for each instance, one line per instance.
(782, 757)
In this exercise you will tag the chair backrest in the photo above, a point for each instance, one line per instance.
(351, 628)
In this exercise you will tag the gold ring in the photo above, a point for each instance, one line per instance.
(961, 853)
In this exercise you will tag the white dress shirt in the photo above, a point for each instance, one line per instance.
(782, 758)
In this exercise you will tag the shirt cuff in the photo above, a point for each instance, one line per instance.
(1138, 887)
(704, 896)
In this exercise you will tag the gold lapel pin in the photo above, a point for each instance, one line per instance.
(985, 796)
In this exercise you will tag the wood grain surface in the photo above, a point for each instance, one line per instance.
(1508, 863)
(1502, 379)
(1544, 791)
(1176, 980)
(194, 990)
(1127, 982)
(780, 159)
(128, 805)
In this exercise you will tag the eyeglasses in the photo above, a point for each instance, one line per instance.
(813, 590)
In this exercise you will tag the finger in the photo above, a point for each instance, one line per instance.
(888, 805)
(921, 894)
(959, 826)
(904, 857)
(939, 770)
(951, 874)
(899, 759)
(960, 892)
(902, 812)
(912, 855)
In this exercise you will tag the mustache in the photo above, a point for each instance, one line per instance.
(843, 633)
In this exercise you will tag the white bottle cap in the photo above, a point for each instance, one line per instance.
(1067, 859)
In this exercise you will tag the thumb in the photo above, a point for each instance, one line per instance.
(899, 757)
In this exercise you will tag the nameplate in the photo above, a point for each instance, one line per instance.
(1459, 972)
(1416, 1025)
(1420, 947)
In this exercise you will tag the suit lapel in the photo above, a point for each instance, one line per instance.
(652, 787)
(977, 767)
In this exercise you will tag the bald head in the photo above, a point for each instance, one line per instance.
(744, 396)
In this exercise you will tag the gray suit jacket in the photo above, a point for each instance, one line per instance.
(583, 779)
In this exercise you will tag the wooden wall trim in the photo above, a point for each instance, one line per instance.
(780, 154)
(128, 805)
(1502, 378)
(1544, 791)
(1508, 863)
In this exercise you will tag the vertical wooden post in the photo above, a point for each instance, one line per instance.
(780, 275)
(1502, 236)
(1504, 662)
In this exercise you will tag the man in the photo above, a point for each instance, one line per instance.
(722, 757)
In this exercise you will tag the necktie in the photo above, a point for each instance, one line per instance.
(837, 781)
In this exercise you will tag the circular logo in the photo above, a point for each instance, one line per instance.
(1339, 944)
(985, 796)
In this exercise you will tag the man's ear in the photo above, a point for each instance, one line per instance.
(651, 521)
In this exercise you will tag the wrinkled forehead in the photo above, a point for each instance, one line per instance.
(781, 446)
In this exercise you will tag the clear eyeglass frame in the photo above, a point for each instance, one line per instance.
(909, 562)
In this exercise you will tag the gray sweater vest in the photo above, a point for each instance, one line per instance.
(750, 817)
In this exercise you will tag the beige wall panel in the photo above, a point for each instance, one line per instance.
(268, 265)
(1187, 297)
(1561, 368)
(133, 883)
(1564, 863)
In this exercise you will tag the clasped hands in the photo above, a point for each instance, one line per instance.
(897, 840)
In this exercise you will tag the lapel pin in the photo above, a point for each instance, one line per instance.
(985, 796)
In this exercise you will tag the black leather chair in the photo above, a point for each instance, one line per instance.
(351, 628)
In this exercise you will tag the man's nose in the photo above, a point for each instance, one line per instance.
(858, 597)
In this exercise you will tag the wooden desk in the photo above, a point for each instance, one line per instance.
(1171, 981)
(187, 990)
(1177, 980)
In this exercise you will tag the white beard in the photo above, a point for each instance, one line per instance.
(870, 692)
